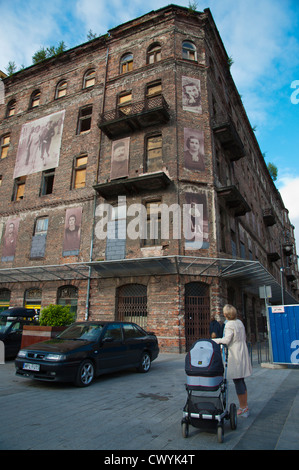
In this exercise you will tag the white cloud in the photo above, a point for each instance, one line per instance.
(289, 190)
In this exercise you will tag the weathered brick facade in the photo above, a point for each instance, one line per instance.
(131, 87)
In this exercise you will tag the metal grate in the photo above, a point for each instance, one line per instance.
(132, 304)
(197, 312)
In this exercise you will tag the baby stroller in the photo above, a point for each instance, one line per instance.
(207, 400)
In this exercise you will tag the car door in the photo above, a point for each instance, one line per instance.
(13, 339)
(113, 351)
(134, 341)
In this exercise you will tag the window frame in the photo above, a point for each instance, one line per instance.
(19, 188)
(79, 169)
(35, 99)
(154, 52)
(147, 160)
(150, 242)
(83, 118)
(47, 182)
(126, 63)
(4, 146)
(187, 47)
(11, 107)
(61, 87)
(89, 76)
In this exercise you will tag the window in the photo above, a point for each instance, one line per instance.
(126, 63)
(5, 142)
(0, 180)
(79, 178)
(11, 107)
(61, 89)
(131, 302)
(153, 224)
(41, 226)
(47, 182)
(154, 89)
(19, 188)
(124, 102)
(68, 295)
(189, 50)
(154, 54)
(89, 79)
(35, 99)
(84, 120)
(154, 152)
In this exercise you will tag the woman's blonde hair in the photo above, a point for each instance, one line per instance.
(230, 312)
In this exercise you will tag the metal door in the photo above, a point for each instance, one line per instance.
(197, 312)
(132, 304)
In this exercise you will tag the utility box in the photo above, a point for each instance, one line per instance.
(284, 332)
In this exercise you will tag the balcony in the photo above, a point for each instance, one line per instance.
(269, 217)
(233, 200)
(227, 134)
(149, 182)
(290, 274)
(134, 116)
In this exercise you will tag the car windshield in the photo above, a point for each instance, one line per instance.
(4, 324)
(82, 331)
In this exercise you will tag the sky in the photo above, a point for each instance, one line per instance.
(261, 36)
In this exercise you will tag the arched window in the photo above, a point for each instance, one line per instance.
(154, 53)
(89, 78)
(126, 63)
(11, 107)
(189, 51)
(61, 89)
(131, 304)
(35, 99)
(33, 299)
(4, 299)
(68, 295)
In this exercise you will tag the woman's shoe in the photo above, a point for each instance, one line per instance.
(244, 412)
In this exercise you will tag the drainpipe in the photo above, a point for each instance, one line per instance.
(95, 200)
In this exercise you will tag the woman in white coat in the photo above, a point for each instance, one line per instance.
(239, 364)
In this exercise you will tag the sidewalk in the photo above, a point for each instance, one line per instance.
(130, 411)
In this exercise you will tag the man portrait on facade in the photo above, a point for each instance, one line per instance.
(120, 158)
(72, 232)
(10, 240)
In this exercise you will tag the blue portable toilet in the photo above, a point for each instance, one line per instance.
(284, 332)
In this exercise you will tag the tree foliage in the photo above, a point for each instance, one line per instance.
(272, 170)
(56, 315)
(47, 53)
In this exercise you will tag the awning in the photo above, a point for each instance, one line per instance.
(249, 275)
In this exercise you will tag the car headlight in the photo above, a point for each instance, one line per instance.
(55, 357)
(22, 353)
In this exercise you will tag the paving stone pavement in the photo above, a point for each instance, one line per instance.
(129, 411)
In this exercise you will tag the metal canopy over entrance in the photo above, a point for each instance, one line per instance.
(250, 275)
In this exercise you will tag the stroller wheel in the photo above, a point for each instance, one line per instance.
(233, 416)
(220, 433)
(185, 429)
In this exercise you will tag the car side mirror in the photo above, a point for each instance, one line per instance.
(108, 339)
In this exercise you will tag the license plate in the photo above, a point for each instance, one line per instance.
(28, 366)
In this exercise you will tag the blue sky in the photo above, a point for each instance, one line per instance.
(261, 36)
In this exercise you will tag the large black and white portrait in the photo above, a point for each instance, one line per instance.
(191, 95)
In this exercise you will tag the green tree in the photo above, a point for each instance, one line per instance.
(52, 51)
(11, 68)
(272, 170)
(56, 315)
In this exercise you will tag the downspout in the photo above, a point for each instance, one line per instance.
(95, 198)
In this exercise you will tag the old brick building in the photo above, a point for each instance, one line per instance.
(108, 152)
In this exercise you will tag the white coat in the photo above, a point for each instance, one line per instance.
(239, 364)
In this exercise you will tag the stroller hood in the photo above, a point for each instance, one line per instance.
(204, 359)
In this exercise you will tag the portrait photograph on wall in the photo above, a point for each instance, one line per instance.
(120, 158)
(72, 231)
(196, 218)
(194, 149)
(191, 95)
(10, 239)
(39, 145)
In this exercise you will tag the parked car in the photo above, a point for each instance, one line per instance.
(12, 321)
(86, 350)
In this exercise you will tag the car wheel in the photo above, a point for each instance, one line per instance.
(145, 363)
(85, 374)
